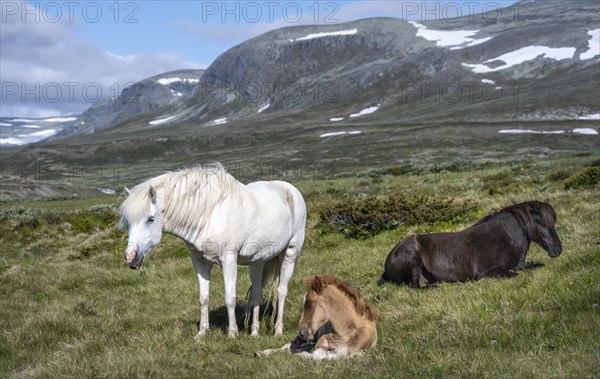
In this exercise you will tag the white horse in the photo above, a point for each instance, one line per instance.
(260, 225)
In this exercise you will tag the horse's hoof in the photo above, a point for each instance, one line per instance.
(199, 335)
(254, 333)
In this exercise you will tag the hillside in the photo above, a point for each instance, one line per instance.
(144, 96)
(368, 93)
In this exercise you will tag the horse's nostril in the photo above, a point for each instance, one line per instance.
(303, 334)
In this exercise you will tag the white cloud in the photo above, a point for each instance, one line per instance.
(47, 70)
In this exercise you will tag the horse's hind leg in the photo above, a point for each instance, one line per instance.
(499, 272)
(256, 272)
(268, 352)
(415, 276)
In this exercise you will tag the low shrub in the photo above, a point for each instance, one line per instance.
(28, 225)
(587, 178)
(363, 217)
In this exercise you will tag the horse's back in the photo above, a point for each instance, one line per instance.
(282, 192)
(472, 253)
(270, 194)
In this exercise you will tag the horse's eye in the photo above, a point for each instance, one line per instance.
(150, 219)
(307, 305)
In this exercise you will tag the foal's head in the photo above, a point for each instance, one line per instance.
(539, 219)
(322, 303)
(316, 311)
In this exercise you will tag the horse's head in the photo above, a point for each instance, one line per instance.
(140, 215)
(315, 316)
(542, 230)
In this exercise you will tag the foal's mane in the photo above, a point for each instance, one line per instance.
(362, 306)
(528, 213)
(190, 195)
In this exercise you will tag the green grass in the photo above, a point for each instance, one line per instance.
(69, 307)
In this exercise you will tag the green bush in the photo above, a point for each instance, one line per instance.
(589, 177)
(365, 217)
(28, 225)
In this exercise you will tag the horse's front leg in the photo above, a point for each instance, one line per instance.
(256, 273)
(202, 268)
(229, 264)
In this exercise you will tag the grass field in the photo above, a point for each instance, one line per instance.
(69, 306)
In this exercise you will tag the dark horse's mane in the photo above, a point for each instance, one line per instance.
(527, 213)
(362, 306)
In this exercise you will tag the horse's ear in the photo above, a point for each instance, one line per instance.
(318, 285)
(152, 194)
(127, 190)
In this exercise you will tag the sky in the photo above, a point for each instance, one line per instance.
(58, 57)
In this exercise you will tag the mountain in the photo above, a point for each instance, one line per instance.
(527, 63)
(379, 92)
(145, 96)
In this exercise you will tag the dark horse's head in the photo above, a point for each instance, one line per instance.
(538, 219)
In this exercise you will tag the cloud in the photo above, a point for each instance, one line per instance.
(47, 70)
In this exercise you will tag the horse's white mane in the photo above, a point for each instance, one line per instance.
(190, 195)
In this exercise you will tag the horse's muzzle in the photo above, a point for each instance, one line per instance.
(132, 258)
(555, 252)
(303, 335)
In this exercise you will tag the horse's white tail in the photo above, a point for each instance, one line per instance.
(270, 273)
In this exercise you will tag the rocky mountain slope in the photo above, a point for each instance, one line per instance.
(532, 62)
(142, 97)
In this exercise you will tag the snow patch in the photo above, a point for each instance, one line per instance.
(585, 131)
(336, 119)
(488, 81)
(527, 131)
(334, 134)
(521, 55)
(593, 45)
(327, 34)
(219, 121)
(168, 81)
(457, 39)
(365, 111)
(30, 126)
(590, 117)
(263, 108)
(108, 191)
(161, 120)
(5, 124)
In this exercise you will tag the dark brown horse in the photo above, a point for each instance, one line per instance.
(495, 245)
